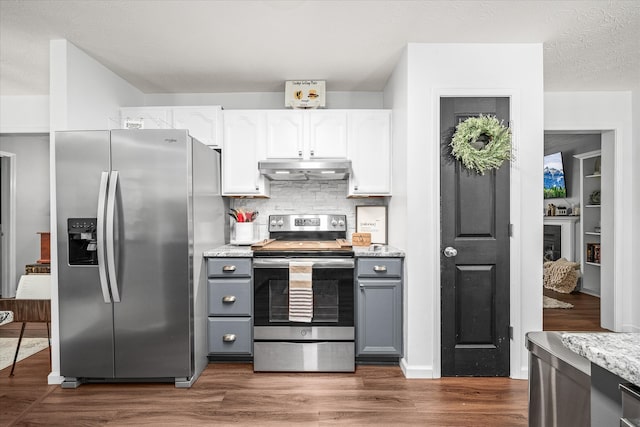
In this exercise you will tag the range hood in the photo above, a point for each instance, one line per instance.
(305, 170)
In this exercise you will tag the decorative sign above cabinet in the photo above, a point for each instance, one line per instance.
(304, 94)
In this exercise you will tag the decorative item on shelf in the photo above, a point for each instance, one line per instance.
(594, 198)
(304, 94)
(575, 210)
(596, 166)
(593, 253)
(481, 143)
(244, 227)
(561, 210)
(551, 209)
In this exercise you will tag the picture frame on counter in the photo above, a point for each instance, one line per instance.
(372, 219)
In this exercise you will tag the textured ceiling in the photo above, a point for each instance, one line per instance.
(206, 46)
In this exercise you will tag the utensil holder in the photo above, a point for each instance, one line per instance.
(244, 231)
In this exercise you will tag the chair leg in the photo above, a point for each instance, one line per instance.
(49, 340)
(15, 358)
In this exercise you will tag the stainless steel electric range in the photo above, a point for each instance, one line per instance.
(324, 339)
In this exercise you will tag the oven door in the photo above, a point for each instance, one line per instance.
(333, 291)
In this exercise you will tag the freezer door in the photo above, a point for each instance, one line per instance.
(153, 318)
(86, 327)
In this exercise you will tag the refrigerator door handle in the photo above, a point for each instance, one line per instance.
(111, 253)
(102, 269)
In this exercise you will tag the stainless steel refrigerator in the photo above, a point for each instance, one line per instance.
(135, 211)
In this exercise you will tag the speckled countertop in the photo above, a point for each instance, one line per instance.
(359, 251)
(618, 353)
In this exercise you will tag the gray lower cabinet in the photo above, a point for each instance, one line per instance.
(230, 305)
(379, 309)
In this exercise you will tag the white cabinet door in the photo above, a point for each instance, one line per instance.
(202, 123)
(285, 134)
(369, 147)
(243, 146)
(145, 118)
(327, 134)
(296, 134)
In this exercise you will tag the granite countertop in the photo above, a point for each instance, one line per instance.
(619, 353)
(359, 251)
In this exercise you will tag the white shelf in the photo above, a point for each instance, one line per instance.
(592, 233)
(593, 176)
(592, 206)
(595, 264)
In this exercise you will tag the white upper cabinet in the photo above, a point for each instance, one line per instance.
(297, 134)
(327, 134)
(203, 123)
(369, 136)
(243, 146)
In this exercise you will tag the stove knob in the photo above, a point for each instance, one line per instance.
(341, 223)
(334, 222)
(280, 222)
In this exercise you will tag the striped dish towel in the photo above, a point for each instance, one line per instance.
(300, 291)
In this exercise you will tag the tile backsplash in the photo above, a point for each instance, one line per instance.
(296, 197)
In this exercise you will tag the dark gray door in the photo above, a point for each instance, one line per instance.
(152, 320)
(475, 282)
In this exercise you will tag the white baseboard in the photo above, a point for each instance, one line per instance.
(630, 328)
(415, 371)
(55, 378)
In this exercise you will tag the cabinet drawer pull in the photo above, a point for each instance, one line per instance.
(229, 299)
(380, 268)
(312, 153)
(229, 268)
(300, 153)
(229, 337)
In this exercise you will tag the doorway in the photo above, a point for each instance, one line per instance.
(7, 223)
(588, 306)
(475, 254)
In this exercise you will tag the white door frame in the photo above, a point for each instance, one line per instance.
(8, 213)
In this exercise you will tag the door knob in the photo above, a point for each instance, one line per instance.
(450, 252)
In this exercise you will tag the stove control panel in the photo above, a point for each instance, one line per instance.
(293, 222)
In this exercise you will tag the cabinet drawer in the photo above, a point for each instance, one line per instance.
(380, 267)
(230, 335)
(229, 297)
(228, 267)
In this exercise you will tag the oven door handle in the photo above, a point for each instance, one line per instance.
(317, 262)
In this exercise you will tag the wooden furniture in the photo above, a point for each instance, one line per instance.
(45, 247)
(590, 234)
(31, 304)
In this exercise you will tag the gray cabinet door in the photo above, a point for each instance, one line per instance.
(379, 328)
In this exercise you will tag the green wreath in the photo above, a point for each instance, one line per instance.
(481, 143)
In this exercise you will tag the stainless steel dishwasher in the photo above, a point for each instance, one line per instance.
(559, 383)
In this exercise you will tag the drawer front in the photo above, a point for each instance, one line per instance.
(229, 267)
(379, 267)
(230, 335)
(230, 297)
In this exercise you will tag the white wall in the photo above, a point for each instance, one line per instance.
(32, 201)
(261, 100)
(24, 114)
(609, 111)
(432, 71)
(84, 95)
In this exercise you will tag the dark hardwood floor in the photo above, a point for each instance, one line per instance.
(227, 394)
(584, 316)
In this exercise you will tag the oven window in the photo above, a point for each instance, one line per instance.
(325, 301)
(333, 297)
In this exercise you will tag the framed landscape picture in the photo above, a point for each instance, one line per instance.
(372, 219)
